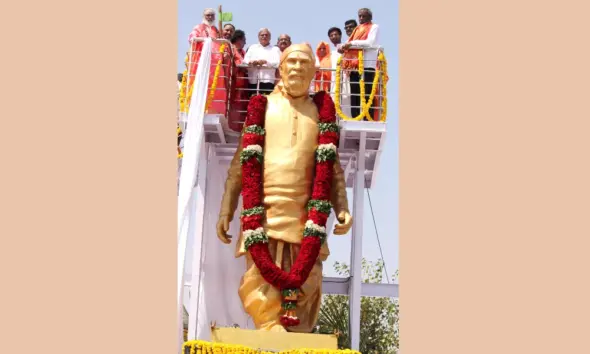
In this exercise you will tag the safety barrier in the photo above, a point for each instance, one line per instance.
(359, 93)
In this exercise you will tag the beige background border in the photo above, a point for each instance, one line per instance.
(494, 177)
(494, 184)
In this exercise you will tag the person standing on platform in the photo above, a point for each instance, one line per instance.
(349, 26)
(263, 59)
(284, 42)
(366, 36)
(228, 31)
(335, 35)
(239, 96)
(207, 29)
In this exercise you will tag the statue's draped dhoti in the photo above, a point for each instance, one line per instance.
(262, 301)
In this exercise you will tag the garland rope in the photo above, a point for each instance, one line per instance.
(365, 104)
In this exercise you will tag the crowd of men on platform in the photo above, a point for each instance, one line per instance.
(255, 69)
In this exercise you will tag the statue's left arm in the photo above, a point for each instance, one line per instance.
(339, 200)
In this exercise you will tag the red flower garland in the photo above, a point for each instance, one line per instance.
(319, 206)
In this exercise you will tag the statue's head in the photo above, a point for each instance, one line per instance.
(297, 69)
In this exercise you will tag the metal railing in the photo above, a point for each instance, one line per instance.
(220, 102)
(236, 89)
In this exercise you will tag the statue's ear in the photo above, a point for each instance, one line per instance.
(281, 69)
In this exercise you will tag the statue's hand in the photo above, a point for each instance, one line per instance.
(344, 223)
(222, 228)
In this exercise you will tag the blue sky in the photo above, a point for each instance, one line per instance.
(309, 21)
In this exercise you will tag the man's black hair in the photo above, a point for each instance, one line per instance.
(238, 34)
(350, 22)
(334, 29)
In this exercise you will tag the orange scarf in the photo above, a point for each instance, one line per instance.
(350, 59)
(323, 77)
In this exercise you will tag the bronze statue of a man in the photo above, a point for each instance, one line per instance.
(289, 157)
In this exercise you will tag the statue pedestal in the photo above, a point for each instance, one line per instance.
(273, 341)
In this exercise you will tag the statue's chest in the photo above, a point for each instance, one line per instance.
(291, 129)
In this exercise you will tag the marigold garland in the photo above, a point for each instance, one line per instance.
(215, 78)
(365, 105)
(179, 133)
(337, 88)
(319, 206)
(183, 90)
(203, 347)
(384, 90)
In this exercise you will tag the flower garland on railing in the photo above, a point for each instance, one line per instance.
(183, 91)
(215, 78)
(202, 347)
(179, 134)
(319, 206)
(365, 105)
(385, 80)
(337, 88)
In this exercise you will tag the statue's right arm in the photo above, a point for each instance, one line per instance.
(231, 195)
(233, 185)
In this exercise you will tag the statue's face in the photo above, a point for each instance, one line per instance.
(297, 71)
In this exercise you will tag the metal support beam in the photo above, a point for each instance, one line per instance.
(357, 246)
(341, 286)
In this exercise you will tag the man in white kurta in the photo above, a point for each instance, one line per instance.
(263, 59)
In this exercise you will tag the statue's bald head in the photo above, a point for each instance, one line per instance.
(297, 69)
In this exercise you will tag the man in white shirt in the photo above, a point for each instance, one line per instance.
(263, 59)
(366, 36)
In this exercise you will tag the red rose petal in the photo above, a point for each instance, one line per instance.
(317, 217)
(252, 139)
(329, 138)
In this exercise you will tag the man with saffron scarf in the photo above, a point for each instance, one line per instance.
(291, 139)
(365, 35)
(323, 76)
(207, 29)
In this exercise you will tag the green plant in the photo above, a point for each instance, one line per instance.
(379, 315)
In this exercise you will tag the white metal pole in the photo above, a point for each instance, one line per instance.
(357, 246)
(198, 219)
